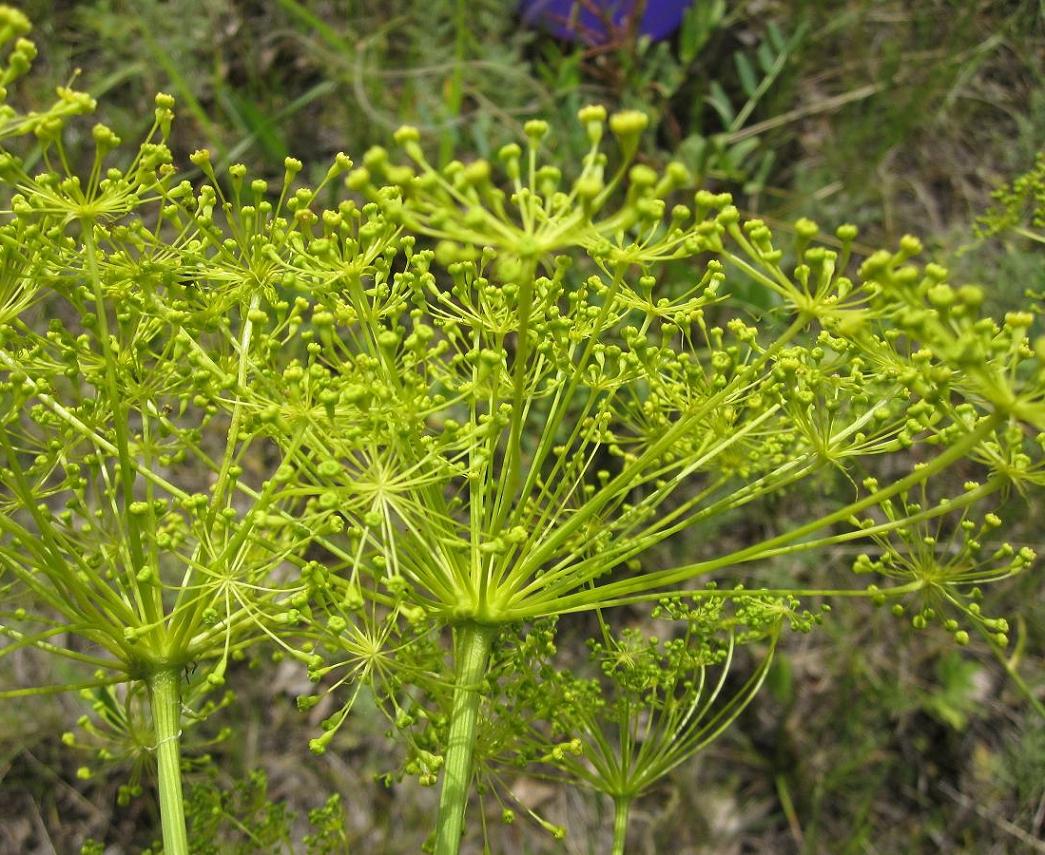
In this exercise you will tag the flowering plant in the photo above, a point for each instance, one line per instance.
(481, 402)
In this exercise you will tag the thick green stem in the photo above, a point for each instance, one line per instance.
(472, 655)
(165, 695)
(622, 807)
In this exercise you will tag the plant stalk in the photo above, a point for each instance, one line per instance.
(472, 655)
(621, 811)
(165, 698)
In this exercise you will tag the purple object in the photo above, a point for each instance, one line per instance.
(576, 20)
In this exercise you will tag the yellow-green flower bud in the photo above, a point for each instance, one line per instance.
(628, 124)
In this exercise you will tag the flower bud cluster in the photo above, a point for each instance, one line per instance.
(342, 417)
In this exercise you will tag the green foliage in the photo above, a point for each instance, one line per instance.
(657, 701)
(1023, 771)
(242, 819)
(736, 154)
(954, 699)
(1019, 206)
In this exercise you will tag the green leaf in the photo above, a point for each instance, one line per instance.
(719, 100)
(698, 25)
(743, 150)
(954, 700)
(780, 680)
(766, 57)
(693, 152)
(776, 37)
(746, 72)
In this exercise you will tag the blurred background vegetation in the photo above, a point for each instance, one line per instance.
(897, 116)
